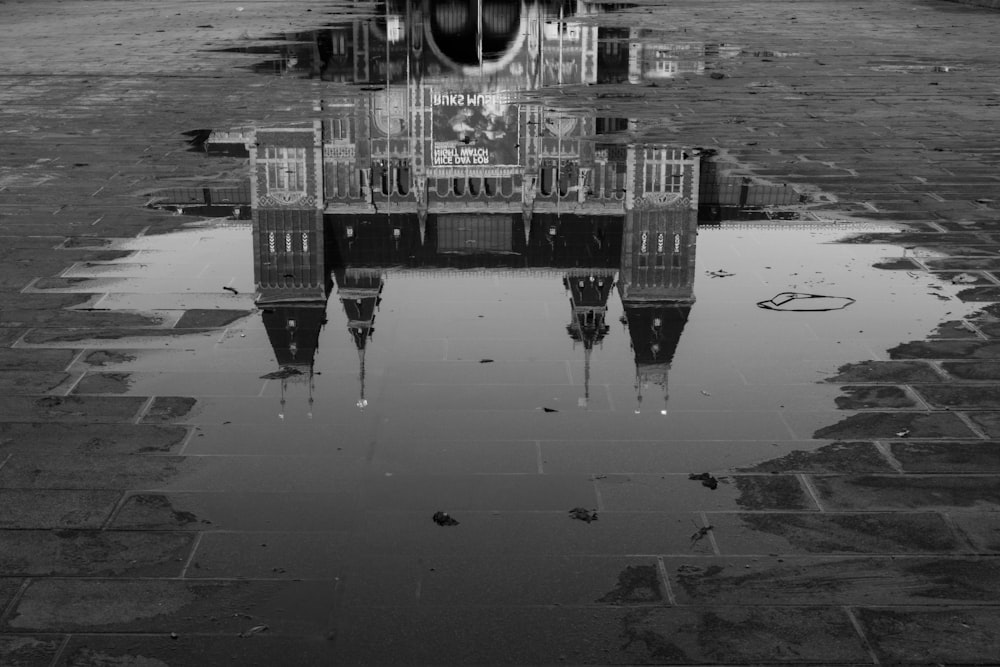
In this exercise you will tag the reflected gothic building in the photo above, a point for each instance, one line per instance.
(444, 163)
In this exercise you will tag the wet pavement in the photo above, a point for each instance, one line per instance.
(435, 333)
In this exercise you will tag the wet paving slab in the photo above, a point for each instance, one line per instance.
(705, 386)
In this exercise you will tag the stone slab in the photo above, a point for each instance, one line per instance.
(92, 553)
(210, 510)
(31, 382)
(834, 580)
(833, 533)
(907, 492)
(28, 651)
(988, 422)
(883, 425)
(260, 650)
(575, 635)
(920, 636)
(947, 457)
(835, 457)
(55, 508)
(172, 605)
(58, 471)
(964, 396)
(75, 409)
(981, 529)
(82, 439)
(903, 372)
(35, 360)
(863, 397)
(946, 349)
(677, 492)
(973, 370)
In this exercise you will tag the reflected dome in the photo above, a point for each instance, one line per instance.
(454, 25)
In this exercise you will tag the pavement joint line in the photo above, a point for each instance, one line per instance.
(970, 424)
(14, 601)
(861, 634)
(73, 385)
(113, 514)
(144, 409)
(4, 462)
(667, 591)
(57, 657)
(711, 534)
(788, 427)
(20, 339)
(960, 534)
(919, 399)
(190, 559)
(886, 453)
(30, 287)
(811, 490)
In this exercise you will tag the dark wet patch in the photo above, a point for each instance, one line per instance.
(973, 370)
(880, 425)
(856, 533)
(987, 293)
(938, 457)
(30, 382)
(961, 396)
(771, 492)
(103, 383)
(205, 318)
(158, 510)
(932, 636)
(946, 349)
(835, 457)
(82, 409)
(26, 359)
(903, 372)
(862, 397)
(107, 357)
(636, 584)
(56, 508)
(89, 438)
(86, 242)
(640, 630)
(966, 263)
(899, 264)
(169, 408)
(864, 492)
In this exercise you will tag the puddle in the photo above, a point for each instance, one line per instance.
(434, 260)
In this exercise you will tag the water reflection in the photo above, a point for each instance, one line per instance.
(445, 166)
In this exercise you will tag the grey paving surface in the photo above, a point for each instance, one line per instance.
(142, 529)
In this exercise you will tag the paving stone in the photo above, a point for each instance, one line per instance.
(677, 492)
(333, 511)
(92, 553)
(78, 409)
(902, 372)
(173, 605)
(916, 636)
(169, 409)
(55, 508)
(882, 425)
(78, 439)
(964, 263)
(27, 471)
(844, 457)
(103, 383)
(568, 635)
(961, 396)
(35, 360)
(984, 293)
(946, 349)
(9, 587)
(833, 533)
(988, 422)
(258, 650)
(973, 370)
(204, 319)
(835, 580)
(30, 382)
(27, 651)
(8, 335)
(903, 492)
(862, 397)
(948, 457)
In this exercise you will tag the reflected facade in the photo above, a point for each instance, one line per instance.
(443, 161)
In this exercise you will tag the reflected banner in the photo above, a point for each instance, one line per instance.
(474, 129)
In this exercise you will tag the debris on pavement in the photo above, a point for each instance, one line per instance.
(230, 289)
(964, 279)
(486, 361)
(443, 519)
(544, 409)
(799, 301)
(705, 479)
(285, 373)
(699, 534)
(257, 629)
(904, 433)
(720, 273)
(583, 514)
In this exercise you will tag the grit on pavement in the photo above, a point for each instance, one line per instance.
(118, 545)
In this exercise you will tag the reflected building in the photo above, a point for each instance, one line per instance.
(439, 160)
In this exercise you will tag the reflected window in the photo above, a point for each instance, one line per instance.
(285, 169)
